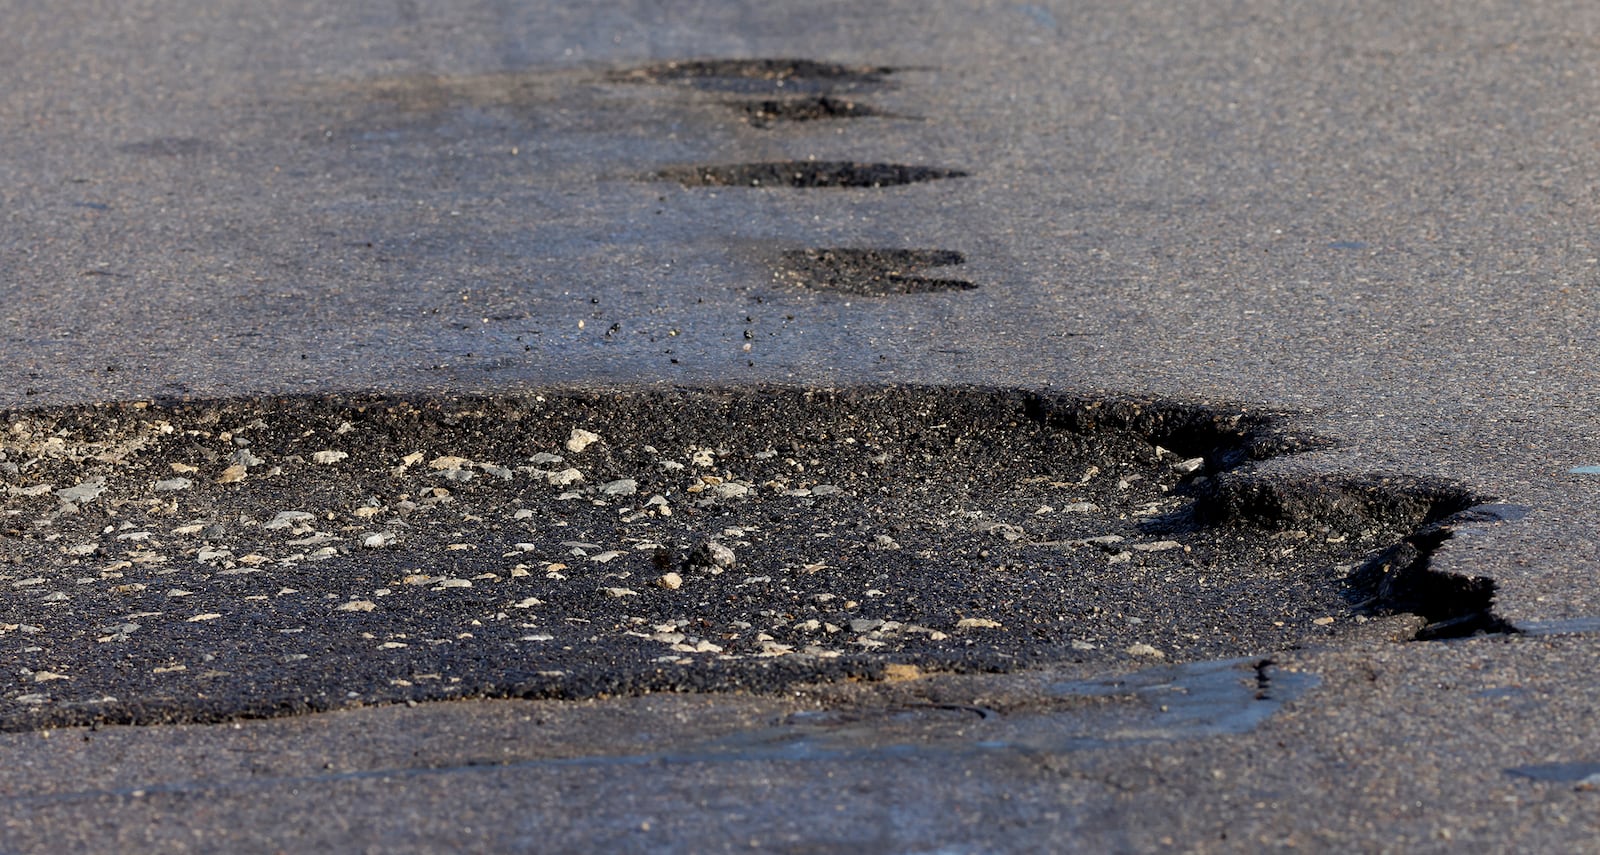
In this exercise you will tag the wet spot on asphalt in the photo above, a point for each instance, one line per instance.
(1583, 775)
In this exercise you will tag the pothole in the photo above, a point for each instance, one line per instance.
(1400, 577)
(805, 174)
(872, 272)
(770, 111)
(758, 75)
(200, 561)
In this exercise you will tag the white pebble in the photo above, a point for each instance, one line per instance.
(581, 439)
(565, 478)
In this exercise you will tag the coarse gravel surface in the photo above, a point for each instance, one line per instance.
(1376, 218)
(206, 560)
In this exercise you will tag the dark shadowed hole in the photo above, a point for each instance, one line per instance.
(1400, 578)
(805, 174)
(871, 272)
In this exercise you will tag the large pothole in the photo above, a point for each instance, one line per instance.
(207, 560)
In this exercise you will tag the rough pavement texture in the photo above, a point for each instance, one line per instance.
(1379, 216)
(191, 563)
(1370, 212)
(1399, 748)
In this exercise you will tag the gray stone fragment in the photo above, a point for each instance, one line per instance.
(243, 457)
(87, 491)
(285, 519)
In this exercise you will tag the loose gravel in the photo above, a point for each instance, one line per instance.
(200, 561)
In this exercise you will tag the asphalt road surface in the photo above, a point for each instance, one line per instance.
(813, 426)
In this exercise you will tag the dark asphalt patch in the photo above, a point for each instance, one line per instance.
(194, 562)
(872, 272)
(770, 111)
(805, 174)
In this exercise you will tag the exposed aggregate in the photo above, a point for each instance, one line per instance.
(201, 561)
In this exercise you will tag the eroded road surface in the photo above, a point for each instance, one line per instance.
(204, 562)
(798, 427)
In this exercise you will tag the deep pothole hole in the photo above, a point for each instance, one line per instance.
(200, 561)
(1399, 578)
